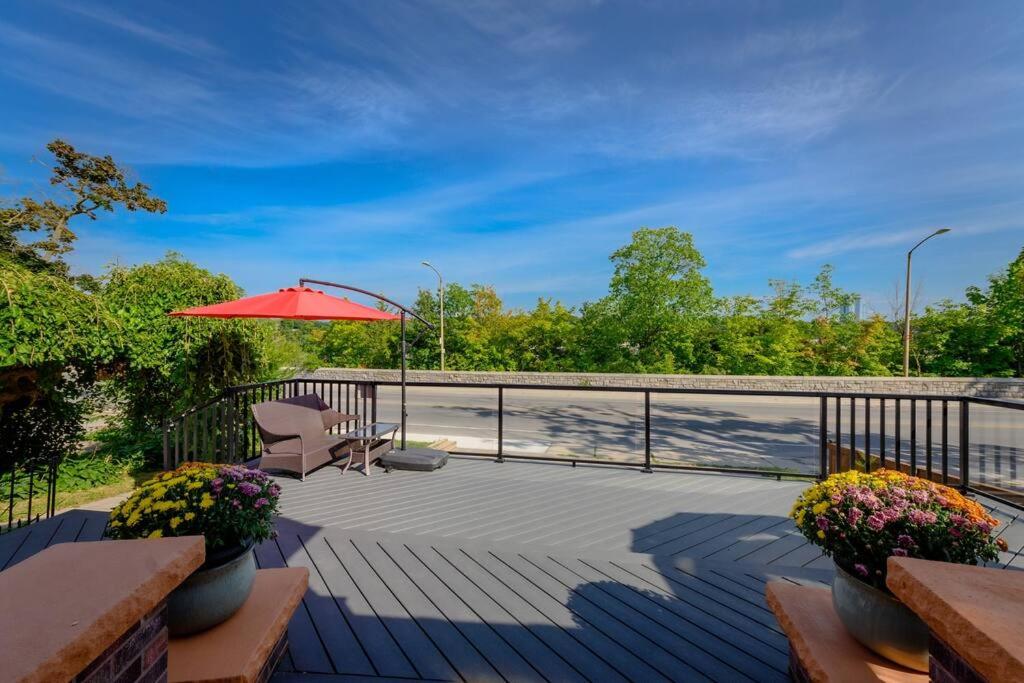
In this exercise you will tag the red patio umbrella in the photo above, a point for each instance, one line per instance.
(304, 303)
(292, 303)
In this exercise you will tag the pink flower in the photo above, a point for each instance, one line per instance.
(248, 488)
(853, 516)
(889, 514)
(260, 502)
(861, 569)
(905, 541)
(899, 552)
(922, 517)
(876, 522)
(822, 523)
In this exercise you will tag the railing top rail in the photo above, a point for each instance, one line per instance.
(998, 402)
(645, 389)
(271, 382)
(202, 406)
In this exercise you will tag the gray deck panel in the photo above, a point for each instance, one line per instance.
(500, 616)
(707, 612)
(39, 539)
(751, 618)
(336, 619)
(304, 645)
(674, 620)
(625, 655)
(595, 654)
(457, 651)
(415, 646)
(12, 541)
(71, 529)
(498, 653)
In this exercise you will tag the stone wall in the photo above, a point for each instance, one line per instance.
(948, 386)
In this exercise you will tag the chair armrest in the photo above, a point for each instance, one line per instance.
(333, 417)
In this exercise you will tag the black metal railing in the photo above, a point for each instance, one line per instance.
(927, 435)
(30, 488)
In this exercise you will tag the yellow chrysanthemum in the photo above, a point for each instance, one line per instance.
(175, 521)
(189, 516)
(156, 533)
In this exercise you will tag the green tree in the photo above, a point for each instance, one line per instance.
(658, 307)
(1003, 306)
(85, 185)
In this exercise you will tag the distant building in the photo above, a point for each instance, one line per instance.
(852, 309)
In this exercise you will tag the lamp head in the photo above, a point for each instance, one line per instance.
(941, 231)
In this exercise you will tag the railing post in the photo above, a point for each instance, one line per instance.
(231, 398)
(965, 444)
(823, 437)
(501, 425)
(647, 433)
(167, 446)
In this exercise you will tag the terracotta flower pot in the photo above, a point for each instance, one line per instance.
(213, 593)
(880, 622)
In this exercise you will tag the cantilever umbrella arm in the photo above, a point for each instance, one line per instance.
(404, 311)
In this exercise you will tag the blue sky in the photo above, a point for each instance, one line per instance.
(519, 143)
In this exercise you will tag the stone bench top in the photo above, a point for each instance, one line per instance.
(239, 649)
(977, 611)
(820, 643)
(61, 608)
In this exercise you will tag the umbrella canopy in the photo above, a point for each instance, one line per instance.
(292, 303)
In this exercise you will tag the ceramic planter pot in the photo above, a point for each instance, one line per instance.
(213, 592)
(880, 622)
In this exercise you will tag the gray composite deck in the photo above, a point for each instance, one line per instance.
(525, 571)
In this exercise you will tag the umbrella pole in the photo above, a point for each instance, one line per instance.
(403, 380)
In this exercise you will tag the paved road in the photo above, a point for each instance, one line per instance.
(728, 431)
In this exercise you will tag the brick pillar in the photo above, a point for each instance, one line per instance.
(138, 656)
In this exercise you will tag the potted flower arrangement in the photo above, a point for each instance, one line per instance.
(861, 519)
(231, 506)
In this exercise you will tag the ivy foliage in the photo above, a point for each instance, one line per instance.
(45, 320)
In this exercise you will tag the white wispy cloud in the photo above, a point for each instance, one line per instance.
(174, 40)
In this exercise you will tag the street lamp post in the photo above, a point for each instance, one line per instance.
(906, 304)
(440, 294)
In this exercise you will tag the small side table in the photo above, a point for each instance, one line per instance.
(374, 440)
(247, 647)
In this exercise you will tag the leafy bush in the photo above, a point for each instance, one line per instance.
(228, 504)
(170, 364)
(130, 449)
(860, 520)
